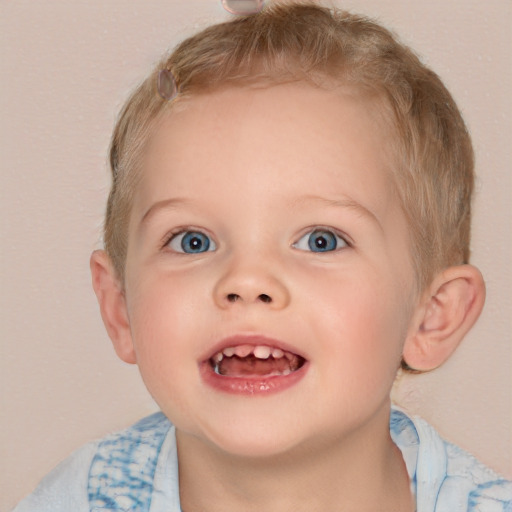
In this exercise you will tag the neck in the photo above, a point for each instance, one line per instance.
(355, 473)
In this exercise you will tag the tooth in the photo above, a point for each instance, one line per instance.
(277, 353)
(229, 351)
(219, 356)
(262, 352)
(287, 371)
(243, 350)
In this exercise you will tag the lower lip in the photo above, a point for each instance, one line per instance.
(251, 386)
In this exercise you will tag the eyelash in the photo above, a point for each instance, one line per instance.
(191, 236)
(329, 240)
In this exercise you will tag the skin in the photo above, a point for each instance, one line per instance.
(257, 170)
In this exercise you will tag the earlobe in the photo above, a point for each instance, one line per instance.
(449, 308)
(112, 303)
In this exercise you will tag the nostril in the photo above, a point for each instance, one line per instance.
(234, 297)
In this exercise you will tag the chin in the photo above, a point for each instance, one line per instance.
(255, 446)
(249, 435)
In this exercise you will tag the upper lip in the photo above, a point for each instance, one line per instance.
(250, 339)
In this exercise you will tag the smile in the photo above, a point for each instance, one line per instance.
(252, 368)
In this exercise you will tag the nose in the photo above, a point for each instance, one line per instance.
(251, 284)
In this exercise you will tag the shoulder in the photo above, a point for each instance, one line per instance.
(64, 488)
(467, 477)
(445, 477)
(103, 472)
(123, 469)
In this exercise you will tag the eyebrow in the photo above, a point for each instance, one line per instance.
(345, 202)
(164, 204)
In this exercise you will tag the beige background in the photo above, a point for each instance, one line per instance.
(66, 67)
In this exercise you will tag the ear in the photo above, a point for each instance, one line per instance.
(448, 309)
(111, 298)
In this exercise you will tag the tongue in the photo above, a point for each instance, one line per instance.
(243, 366)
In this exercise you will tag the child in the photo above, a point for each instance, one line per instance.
(288, 225)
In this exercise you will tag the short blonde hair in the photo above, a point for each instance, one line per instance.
(304, 41)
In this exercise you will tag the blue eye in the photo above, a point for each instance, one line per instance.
(192, 242)
(320, 240)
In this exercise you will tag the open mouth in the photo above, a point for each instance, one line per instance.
(252, 365)
(258, 361)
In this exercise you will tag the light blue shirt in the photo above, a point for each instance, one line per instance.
(137, 470)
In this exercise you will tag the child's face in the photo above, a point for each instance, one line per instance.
(268, 218)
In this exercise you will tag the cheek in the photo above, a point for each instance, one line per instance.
(166, 364)
(162, 303)
(168, 318)
(366, 328)
(156, 319)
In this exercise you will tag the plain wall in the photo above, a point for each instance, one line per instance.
(66, 68)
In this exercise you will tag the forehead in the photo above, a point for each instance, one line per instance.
(288, 137)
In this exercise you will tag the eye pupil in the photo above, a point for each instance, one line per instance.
(320, 241)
